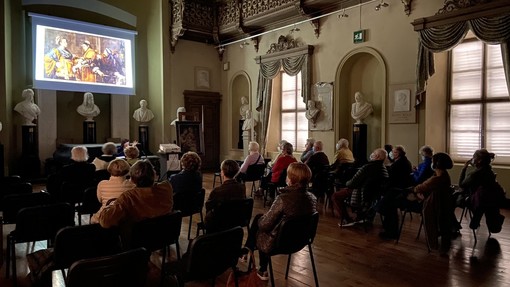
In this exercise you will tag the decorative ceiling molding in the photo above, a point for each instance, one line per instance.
(452, 5)
(219, 22)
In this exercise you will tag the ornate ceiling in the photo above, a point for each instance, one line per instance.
(220, 22)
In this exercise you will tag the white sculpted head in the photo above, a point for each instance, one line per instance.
(27, 108)
(88, 109)
(361, 109)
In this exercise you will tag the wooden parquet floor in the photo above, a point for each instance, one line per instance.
(355, 256)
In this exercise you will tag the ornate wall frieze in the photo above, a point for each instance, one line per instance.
(284, 43)
(452, 5)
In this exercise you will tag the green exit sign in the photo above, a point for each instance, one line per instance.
(359, 36)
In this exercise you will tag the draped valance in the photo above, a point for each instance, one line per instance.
(292, 61)
(492, 30)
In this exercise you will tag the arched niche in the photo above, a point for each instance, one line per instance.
(240, 86)
(364, 70)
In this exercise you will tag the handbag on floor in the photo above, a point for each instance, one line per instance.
(248, 278)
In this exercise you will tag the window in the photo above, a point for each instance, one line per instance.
(479, 103)
(294, 126)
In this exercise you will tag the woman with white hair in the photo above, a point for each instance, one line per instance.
(253, 158)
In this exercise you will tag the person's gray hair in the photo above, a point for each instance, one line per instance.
(379, 154)
(109, 148)
(310, 141)
(253, 146)
(79, 153)
(318, 145)
(427, 150)
(343, 142)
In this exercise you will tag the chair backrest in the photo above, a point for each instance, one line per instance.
(74, 243)
(12, 186)
(15, 202)
(282, 180)
(254, 172)
(320, 180)
(101, 174)
(189, 203)
(72, 192)
(231, 213)
(123, 269)
(295, 233)
(156, 233)
(211, 254)
(90, 203)
(43, 222)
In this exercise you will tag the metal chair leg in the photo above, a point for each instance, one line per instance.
(313, 266)
(271, 272)
(288, 264)
(401, 226)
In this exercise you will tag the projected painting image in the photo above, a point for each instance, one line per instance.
(79, 57)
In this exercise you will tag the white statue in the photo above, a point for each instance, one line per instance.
(88, 109)
(143, 114)
(361, 109)
(179, 110)
(27, 108)
(312, 112)
(244, 107)
(249, 122)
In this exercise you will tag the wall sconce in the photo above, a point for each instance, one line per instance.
(244, 44)
(343, 15)
(382, 5)
(407, 6)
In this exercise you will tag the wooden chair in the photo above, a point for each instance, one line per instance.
(190, 203)
(209, 256)
(123, 269)
(229, 214)
(158, 233)
(35, 224)
(293, 235)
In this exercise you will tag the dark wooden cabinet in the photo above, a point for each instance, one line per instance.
(207, 105)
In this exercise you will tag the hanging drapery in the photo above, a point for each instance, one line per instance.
(491, 30)
(292, 61)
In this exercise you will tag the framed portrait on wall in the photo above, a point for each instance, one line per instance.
(189, 136)
(401, 107)
(202, 78)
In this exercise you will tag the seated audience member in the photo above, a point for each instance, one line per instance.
(400, 170)
(115, 186)
(424, 169)
(367, 182)
(318, 159)
(294, 201)
(147, 200)
(280, 152)
(438, 208)
(229, 190)
(123, 144)
(281, 164)
(486, 195)
(253, 158)
(309, 150)
(109, 150)
(343, 154)
(78, 172)
(189, 179)
(132, 154)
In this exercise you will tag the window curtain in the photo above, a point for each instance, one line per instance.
(493, 30)
(292, 64)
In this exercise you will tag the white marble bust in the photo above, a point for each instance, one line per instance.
(143, 114)
(244, 107)
(312, 112)
(88, 109)
(249, 122)
(179, 110)
(27, 108)
(361, 109)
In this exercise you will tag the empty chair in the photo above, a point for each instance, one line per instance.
(74, 243)
(294, 234)
(90, 204)
(190, 203)
(228, 214)
(10, 185)
(157, 233)
(15, 202)
(119, 270)
(209, 256)
(35, 224)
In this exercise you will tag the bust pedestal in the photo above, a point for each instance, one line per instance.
(30, 151)
(143, 139)
(89, 132)
(359, 143)
(246, 141)
(240, 132)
